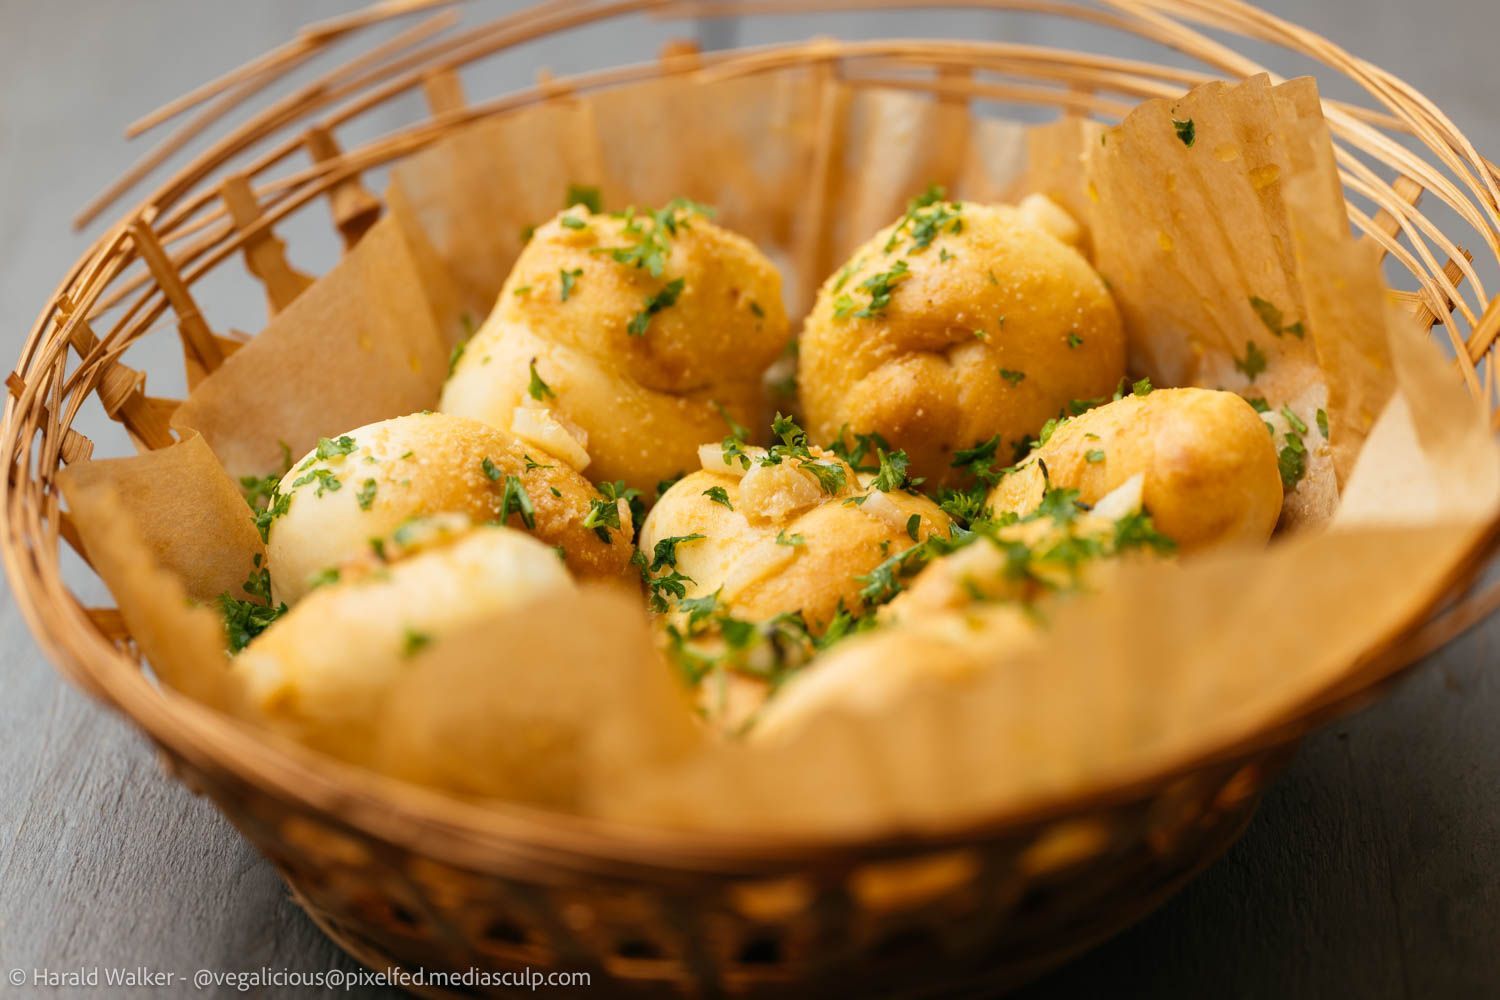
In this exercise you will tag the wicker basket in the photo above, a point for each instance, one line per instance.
(403, 877)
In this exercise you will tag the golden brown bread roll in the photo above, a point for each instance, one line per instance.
(637, 332)
(978, 596)
(883, 671)
(774, 540)
(1059, 545)
(956, 324)
(1208, 465)
(321, 672)
(364, 485)
(766, 555)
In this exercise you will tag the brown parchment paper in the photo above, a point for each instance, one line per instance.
(168, 532)
(1192, 238)
(754, 147)
(561, 713)
(472, 196)
(360, 345)
(1057, 166)
(1173, 658)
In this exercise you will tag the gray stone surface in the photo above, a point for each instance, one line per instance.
(1372, 870)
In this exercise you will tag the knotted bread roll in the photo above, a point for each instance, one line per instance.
(959, 323)
(352, 492)
(635, 333)
(1208, 466)
(776, 538)
(321, 673)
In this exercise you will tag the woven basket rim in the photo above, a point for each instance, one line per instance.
(399, 813)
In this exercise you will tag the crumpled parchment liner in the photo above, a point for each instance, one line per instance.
(360, 345)
(1191, 236)
(168, 532)
(1175, 658)
(754, 147)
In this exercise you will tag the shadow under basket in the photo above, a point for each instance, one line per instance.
(408, 879)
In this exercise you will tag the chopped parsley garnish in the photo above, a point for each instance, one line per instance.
(664, 298)
(794, 540)
(1322, 420)
(830, 475)
(913, 525)
(279, 504)
(979, 460)
(864, 445)
(492, 472)
(532, 463)
(572, 222)
(719, 495)
(326, 480)
(661, 576)
(585, 195)
(1031, 564)
(892, 474)
(1094, 456)
(880, 287)
(261, 491)
(323, 578)
(1295, 422)
(567, 279)
(1253, 363)
(667, 484)
(413, 642)
(885, 581)
(664, 588)
(651, 244)
(603, 515)
(927, 216)
(1271, 317)
(1291, 461)
(335, 448)
(699, 608)
(1062, 505)
(366, 494)
(1074, 340)
(515, 500)
(965, 505)
(756, 310)
(665, 551)
(1012, 376)
(246, 619)
(1259, 404)
(1186, 130)
(538, 389)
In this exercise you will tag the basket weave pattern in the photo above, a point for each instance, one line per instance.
(403, 877)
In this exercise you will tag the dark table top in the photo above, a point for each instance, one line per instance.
(1371, 870)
